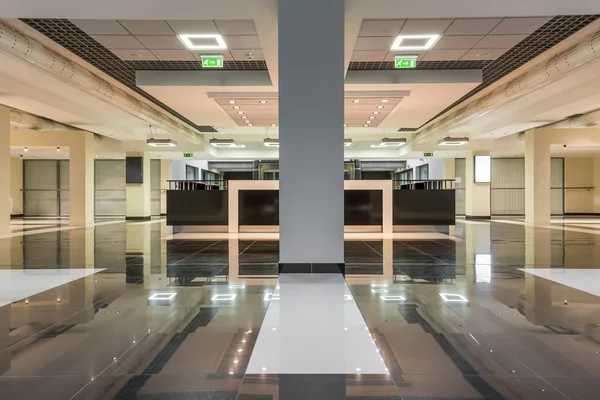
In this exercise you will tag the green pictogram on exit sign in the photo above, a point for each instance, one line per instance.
(212, 61)
(405, 62)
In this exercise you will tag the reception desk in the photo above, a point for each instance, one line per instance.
(368, 205)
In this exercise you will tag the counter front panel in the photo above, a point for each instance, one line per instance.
(363, 207)
(424, 207)
(258, 207)
(197, 207)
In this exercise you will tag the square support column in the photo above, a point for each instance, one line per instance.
(165, 172)
(137, 202)
(81, 178)
(311, 118)
(537, 178)
(477, 195)
(4, 170)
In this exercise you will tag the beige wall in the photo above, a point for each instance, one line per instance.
(579, 173)
(16, 186)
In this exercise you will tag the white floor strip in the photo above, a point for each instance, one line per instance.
(313, 326)
(17, 285)
(585, 280)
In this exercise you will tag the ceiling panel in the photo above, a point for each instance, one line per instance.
(443, 55)
(378, 55)
(247, 55)
(499, 41)
(236, 27)
(100, 27)
(147, 27)
(374, 43)
(161, 42)
(425, 26)
(472, 26)
(483, 54)
(119, 42)
(457, 42)
(188, 27)
(513, 26)
(134, 54)
(242, 42)
(174, 55)
(381, 28)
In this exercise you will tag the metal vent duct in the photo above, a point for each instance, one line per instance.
(560, 65)
(21, 47)
(23, 120)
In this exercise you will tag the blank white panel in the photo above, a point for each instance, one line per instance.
(459, 173)
(155, 187)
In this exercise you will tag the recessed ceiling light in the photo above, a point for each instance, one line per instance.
(365, 125)
(430, 41)
(389, 142)
(356, 101)
(371, 117)
(187, 41)
(135, 55)
(231, 102)
(263, 102)
(384, 100)
(25, 149)
(230, 143)
(450, 141)
(376, 112)
(345, 124)
(240, 112)
(273, 124)
(484, 54)
(236, 107)
(161, 142)
(368, 122)
(249, 124)
(58, 149)
(379, 106)
(244, 117)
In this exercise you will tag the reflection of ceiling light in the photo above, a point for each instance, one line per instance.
(449, 297)
(347, 297)
(263, 102)
(161, 142)
(231, 101)
(379, 285)
(392, 298)
(356, 101)
(449, 141)
(225, 143)
(228, 296)
(237, 286)
(271, 296)
(431, 39)
(187, 41)
(390, 142)
(347, 142)
(379, 290)
(271, 142)
(162, 296)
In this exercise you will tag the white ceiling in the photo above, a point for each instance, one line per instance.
(157, 40)
(461, 39)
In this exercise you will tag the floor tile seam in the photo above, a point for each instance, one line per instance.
(198, 252)
(420, 251)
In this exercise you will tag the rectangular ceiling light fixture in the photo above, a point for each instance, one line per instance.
(389, 142)
(450, 141)
(203, 42)
(427, 40)
(271, 142)
(347, 142)
(161, 142)
(228, 143)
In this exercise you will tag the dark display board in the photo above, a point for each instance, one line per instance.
(424, 207)
(237, 175)
(134, 170)
(363, 207)
(197, 207)
(376, 175)
(258, 207)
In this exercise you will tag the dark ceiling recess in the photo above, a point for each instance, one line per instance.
(550, 34)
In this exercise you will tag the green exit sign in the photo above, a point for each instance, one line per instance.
(212, 61)
(188, 155)
(405, 62)
(427, 154)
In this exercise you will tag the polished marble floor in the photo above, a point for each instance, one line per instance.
(494, 310)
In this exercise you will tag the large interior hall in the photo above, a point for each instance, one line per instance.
(299, 200)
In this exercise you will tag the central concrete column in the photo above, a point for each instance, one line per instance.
(311, 119)
(4, 170)
(537, 178)
(137, 202)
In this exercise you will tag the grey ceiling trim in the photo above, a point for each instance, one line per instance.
(413, 76)
(203, 78)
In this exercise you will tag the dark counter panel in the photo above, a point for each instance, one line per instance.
(258, 207)
(424, 207)
(363, 207)
(197, 207)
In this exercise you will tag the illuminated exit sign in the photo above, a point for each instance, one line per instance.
(212, 61)
(405, 62)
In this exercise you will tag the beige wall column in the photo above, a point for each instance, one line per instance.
(537, 178)
(449, 168)
(16, 186)
(165, 171)
(137, 203)
(81, 176)
(477, 195)
(596, 185)
(4, 170)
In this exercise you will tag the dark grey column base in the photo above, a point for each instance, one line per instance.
(312, 268)
(138, 218)
(16, 216)
(484, 217)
